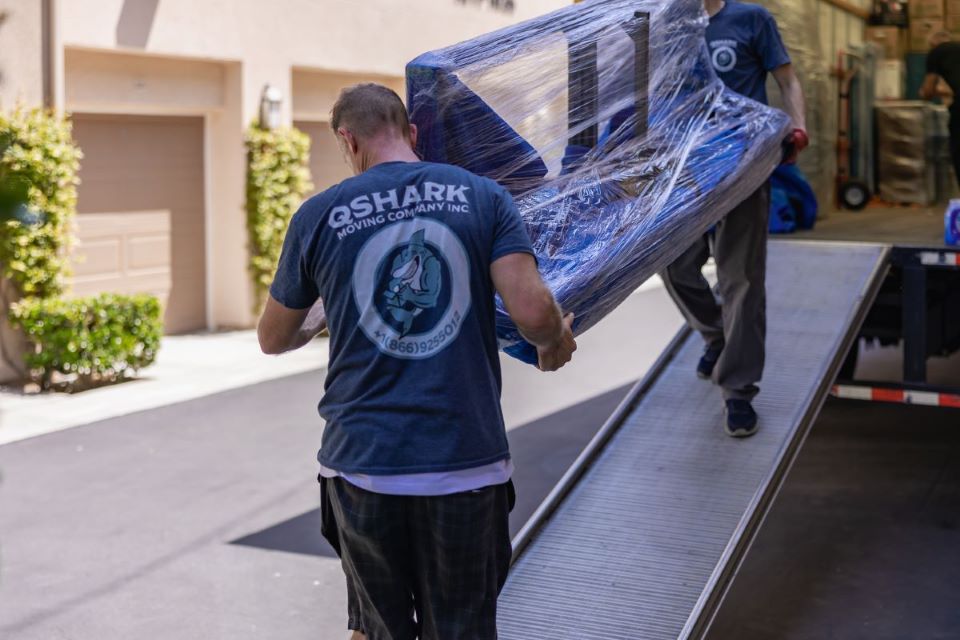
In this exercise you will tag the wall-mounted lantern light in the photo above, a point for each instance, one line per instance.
(270, 102)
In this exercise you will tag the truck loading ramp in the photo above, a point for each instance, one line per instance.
(643, 535)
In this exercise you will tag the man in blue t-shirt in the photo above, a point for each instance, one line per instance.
(744, 46)
(406, 258)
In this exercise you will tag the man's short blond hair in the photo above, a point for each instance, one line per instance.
(369, 109)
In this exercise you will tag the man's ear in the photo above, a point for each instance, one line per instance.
(413, 136)
(348, 139)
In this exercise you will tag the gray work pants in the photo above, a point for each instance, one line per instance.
(739, 318)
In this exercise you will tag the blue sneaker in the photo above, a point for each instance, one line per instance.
(741, 418)
(708, 361)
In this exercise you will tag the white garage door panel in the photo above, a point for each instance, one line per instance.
(125, 252)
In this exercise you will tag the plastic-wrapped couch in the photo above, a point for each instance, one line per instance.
(608, 125)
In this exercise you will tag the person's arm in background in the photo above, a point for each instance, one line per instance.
(792, 92)
(775, 59)
(928, 91)
(532, 308)
(794, 105)
(934, 67)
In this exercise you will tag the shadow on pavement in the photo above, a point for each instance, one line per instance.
(542, 451)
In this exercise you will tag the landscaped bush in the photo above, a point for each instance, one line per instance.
(84, 341)
(38, 195)
(278, 178)
(89, 340)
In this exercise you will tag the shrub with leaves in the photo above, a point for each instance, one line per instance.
(104, 338)
(278, 178)
(38, 196)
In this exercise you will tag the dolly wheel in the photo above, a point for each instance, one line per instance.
(854, 195)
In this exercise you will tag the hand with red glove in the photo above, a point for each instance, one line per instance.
(797, 141)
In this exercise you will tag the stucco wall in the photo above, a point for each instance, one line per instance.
(110, 81)
(21, 53)
(372, 37)
(369, 36)
(314, 92)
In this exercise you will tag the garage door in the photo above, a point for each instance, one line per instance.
(327, 165)
(136, 164)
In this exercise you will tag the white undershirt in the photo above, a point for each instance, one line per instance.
(441, 483)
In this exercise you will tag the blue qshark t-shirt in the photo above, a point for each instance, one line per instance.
(401, 257)
(744, 45)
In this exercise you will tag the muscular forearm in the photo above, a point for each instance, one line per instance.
(544, 327)
(794, 104)
(554, 342)
(534, 310)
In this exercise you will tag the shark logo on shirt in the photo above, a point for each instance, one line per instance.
(411, 285)
(416, 283)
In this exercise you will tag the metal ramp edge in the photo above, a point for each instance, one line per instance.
(867, 265)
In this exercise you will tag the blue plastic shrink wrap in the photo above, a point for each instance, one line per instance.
(607, 123)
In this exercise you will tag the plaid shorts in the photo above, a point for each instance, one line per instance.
(420, 567)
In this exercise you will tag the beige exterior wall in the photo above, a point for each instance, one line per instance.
(121, 82)
(21, 52)
(371, 39)
(365, 36)
(315, 91)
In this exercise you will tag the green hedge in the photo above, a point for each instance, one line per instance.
(38, 196)
(100, 339)
(278, 179)
(88, 341)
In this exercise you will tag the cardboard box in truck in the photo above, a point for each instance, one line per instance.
(890, 79)
(920, 32)
(925, 9)
(891, 40)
